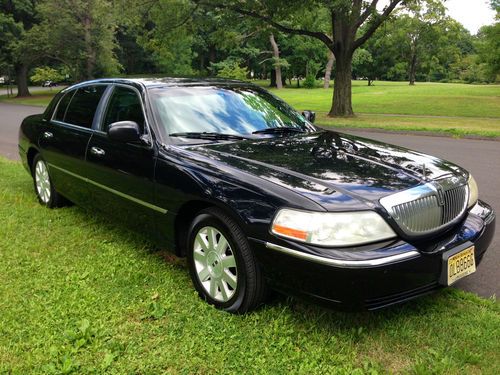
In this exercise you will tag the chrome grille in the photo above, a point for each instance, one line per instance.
(454, 202)
(427, 208)
(420, 215)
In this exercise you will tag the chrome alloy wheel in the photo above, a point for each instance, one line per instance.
(215, 264)
(42, 181)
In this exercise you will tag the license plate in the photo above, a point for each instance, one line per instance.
(461, 265)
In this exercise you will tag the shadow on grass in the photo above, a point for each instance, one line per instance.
(301, 312)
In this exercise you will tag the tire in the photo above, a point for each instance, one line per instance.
(225, 274)
(42, 183)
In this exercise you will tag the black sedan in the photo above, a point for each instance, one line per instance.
(254, 195)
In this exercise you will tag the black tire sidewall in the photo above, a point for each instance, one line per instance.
(207, 219)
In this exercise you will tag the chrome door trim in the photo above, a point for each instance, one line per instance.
(111, 190)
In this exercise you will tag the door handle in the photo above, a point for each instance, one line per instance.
(48, 135)
(97, 151)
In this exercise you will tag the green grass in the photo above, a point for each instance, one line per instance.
(454, 109)
(80, 293)
(426, 99)
(37, 98)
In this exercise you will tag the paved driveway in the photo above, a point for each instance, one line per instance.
(480, 157)
(11, 116)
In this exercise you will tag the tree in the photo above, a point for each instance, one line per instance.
(328, 70)
(489, 45)
(232, 70)
(79, 34)
(17, 18)
(363, 67)
(276, 61)
(346, 19)
(46, 73)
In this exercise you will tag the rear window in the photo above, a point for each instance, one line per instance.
(83, 105)
(63, 105)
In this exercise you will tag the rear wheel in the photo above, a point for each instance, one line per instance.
(222, 265)
(44, 189)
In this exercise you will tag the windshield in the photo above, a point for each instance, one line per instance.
(237, 111)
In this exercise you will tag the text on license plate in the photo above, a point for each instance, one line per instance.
(461, 264)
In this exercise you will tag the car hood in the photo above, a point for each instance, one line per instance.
(338, 171)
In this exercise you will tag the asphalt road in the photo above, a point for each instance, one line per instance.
(481, 157)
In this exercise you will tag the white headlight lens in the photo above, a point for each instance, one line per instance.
(473, 191)
(331, 228)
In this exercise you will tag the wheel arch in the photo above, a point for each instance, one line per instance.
(30, 156)
(186, 214)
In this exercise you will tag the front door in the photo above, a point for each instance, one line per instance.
(121, 175)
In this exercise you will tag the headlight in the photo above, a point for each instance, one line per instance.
(331, 228)
(473, 191)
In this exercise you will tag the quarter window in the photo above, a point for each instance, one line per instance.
(124, 105)
(82, 108)
(63, 105)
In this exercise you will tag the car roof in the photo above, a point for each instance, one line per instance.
(168, 82)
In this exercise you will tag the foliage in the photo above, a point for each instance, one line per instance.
(168, 38)
(363, 65)
(312, 69)
(45, 73)
(231, 69)
(488, 46)
(80, 36)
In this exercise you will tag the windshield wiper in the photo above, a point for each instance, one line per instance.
(279, 130)
(207, 135)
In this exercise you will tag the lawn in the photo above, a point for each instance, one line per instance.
(454, 109)
(80, 293)
(38, 98)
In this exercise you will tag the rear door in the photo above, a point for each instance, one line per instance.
(63, 142)
(121, 175)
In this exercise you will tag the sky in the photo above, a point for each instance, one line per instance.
(471, 13)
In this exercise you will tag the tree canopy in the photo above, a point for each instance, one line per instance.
(284, 42)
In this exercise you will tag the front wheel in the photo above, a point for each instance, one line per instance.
(222, 265)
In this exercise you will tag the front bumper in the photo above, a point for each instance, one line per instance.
(374, 276)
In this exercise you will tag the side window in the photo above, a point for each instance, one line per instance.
(82, 108)
(63, 105)
(124, 105)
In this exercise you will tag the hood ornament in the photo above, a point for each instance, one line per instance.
(424, 171)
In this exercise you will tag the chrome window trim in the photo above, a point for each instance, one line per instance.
(74, 90)
(107, 188)
(69, 92)
(344, 263)
(105, 109)
(71, 126)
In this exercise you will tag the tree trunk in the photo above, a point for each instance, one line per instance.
(22, 80)
(277, 66)
(90, 52)
(328, 70)
(413, 69)
(342, 101)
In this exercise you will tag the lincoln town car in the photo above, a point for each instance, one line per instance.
(256, 196)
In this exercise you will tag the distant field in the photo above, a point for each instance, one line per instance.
(38, 98)
(456, 109)
(429, 99)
